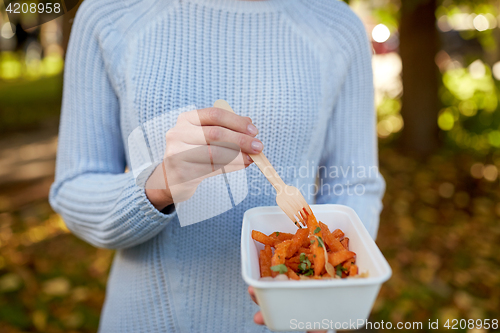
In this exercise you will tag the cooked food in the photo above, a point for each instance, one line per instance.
(314, 252)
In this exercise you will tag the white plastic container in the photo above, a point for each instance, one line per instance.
(293, 305)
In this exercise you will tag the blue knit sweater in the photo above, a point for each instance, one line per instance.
(300, 69)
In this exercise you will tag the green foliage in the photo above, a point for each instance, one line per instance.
(389, 120)
(388, 15)
(50, 281)
(440, 234)
(485, 38)
(471, 115)
(26, 103)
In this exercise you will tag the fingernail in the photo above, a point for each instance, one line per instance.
(252, 129)
(249, 159)
(256, 145)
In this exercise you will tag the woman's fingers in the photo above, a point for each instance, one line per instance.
(217, 127)
(220, 136)
(258, 319)
(189, 134)
(208, 154)
(227, 119)
(203, 143)
(251, 292)
(241, 162)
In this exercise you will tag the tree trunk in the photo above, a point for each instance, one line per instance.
(420, 102)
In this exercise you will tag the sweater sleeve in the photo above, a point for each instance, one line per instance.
(98, 201)
(348, 172)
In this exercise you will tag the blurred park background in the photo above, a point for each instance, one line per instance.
(437, 78)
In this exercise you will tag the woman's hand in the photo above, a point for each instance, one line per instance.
(202, 144)
(258, 319)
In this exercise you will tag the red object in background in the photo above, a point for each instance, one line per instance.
(391, 45)
(379, 48)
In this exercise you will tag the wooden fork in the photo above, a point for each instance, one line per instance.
(288, 198)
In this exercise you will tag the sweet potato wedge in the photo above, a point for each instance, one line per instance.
(279, 255)
(337, 233)
(281, 236)
(317, 244)
(305, 250)
(292, 275)
(292, 265)
(337, 258)
(265, 261)
(296, 258)
(297, 241)
(345, 243)
(348, 263)
(262, 238)
(331, 241)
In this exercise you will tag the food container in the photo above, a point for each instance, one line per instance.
(331, 303)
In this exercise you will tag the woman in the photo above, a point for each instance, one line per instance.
(300, 70)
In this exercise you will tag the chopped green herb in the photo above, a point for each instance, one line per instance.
(312, 241)
(303, 259)
(277, 233)
(318, 229)
(314, 255)
(339, 270)
(281, 268)
(305, 264)
(309, 272)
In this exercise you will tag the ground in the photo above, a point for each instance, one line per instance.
(439, 230)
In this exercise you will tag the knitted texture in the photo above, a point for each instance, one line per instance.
(300, 69)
